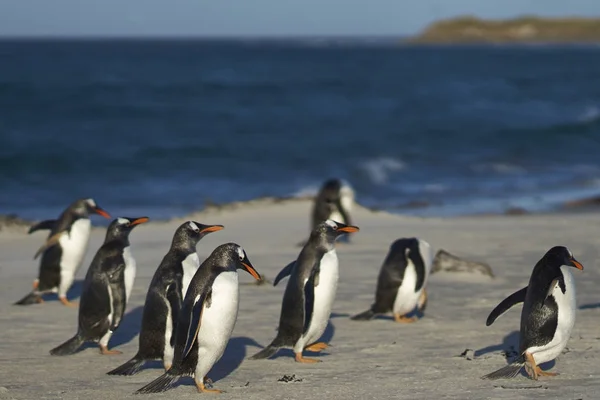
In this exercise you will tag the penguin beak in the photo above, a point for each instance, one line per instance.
(138, 221)
(576, 264)
(100, 211)
(250, 269)
(347, 228)
(212, 228)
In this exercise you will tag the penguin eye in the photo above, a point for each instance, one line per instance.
(196, 230)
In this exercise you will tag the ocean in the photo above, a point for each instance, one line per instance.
(164, 127)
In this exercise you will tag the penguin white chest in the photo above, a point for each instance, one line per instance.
(130, 268)
(74, 245)
(407, 297)
(190, 265)
(566, 304)
(218, 321)
(324, 295)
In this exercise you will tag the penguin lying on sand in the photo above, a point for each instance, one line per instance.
(104, 295)
(207, 318)
(309, 294)
(402, 281)
(63, 251)
(547, 317)
(165, 296)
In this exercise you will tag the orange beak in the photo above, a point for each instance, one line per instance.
(212, 228)
(140, 220)
(577, 264)
(252, 271)
(100, 211)
(348, 228)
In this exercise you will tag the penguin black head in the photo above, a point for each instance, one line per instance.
(190, 232)
(120, 227)
(232, 256)
(328, 231)
(559, 256)
(85, 207)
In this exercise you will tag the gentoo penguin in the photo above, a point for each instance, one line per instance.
(402, 281)
(547, 317)
(309, 293)
(165, 296)
(207, 318)
(63, 251)
(104, 295)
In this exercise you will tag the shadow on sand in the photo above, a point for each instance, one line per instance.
(510, 348)
(129, 328)
(589, 306)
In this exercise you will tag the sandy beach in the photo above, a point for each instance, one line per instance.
(377, 359)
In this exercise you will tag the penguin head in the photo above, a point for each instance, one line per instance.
(122, 226)
(190, 232)
(86, 207)
(234, 257)
(330, 230)
(559, 256)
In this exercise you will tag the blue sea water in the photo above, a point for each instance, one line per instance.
(159, 128)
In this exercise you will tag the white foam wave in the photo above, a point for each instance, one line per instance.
(591, 114)
(379, 169)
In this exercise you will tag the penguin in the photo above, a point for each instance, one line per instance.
(104, 295)
(334, 201)
(309, 294)
(401, 285)
(63, 251)
(165, 296)
(207, 318)
(547, 317)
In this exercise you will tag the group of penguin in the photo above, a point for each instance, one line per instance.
(191, 307)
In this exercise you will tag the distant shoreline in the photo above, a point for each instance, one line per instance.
(520, 30)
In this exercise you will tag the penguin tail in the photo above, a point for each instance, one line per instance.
(363, 316)
(129, 368)
(68, 347)
(31, 298)
(510, 371)
(268, 351)
(160, 384)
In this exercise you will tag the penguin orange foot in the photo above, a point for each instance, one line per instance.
(105, 351)
(301, 359)
(317, 347)
(204, 389)
(67, 303)
(404, 319)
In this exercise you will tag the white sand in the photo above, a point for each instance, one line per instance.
(377, 359)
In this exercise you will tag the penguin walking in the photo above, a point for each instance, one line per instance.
(547, 317)
(105, 290)
(63, 251)
(207, 318)
(309, 294)
(401, 285)
(165, 296)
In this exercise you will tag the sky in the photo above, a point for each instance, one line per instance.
(258, 17)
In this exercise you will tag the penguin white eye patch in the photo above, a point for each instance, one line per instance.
(241, 253)
(331, 224)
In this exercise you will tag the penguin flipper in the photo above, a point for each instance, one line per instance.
(160, 384)
(510, 371)
(131, 367)
(195, 319)
(68, 347)
(364, 316)
(52, 241)
(43, 225)
(515, 298)
(309, 297)
(285, 272)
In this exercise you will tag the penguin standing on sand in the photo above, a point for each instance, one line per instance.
(165, 296)
(402, 281)
(207, 318)
(63, 251)
(309, 293)
(547, 317)
(105, 290)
